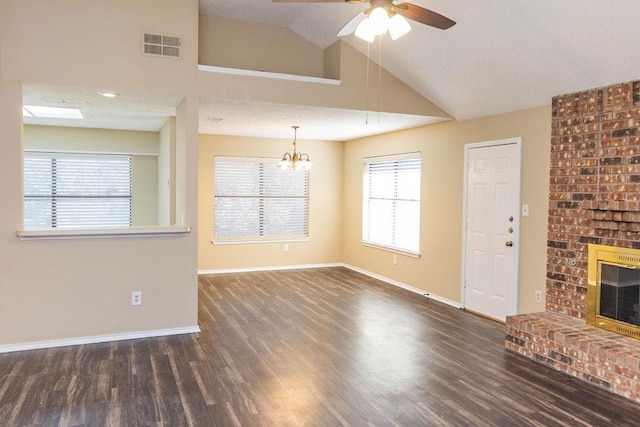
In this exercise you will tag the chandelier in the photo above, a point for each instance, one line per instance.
(296, 161)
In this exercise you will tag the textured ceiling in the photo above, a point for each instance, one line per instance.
(128, 111)
(266, 120)
(502, 56)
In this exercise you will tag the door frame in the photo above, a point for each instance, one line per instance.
(517, 141)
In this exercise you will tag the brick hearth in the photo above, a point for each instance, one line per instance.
(605, 359)
(594, 197)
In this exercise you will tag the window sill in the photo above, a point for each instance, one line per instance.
(391, 249)
(253, 242)
(102, 233)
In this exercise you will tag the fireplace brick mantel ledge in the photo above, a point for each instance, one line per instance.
(605, 359)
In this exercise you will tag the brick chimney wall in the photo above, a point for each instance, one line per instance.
(594, 198)
(594, 186)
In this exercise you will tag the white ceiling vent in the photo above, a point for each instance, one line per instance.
(160, 45)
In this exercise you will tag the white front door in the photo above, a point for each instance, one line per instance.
(492, 220)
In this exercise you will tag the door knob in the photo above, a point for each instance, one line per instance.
(508, 243)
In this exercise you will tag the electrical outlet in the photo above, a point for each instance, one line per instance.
(525, 210)
(538, 297)
(286, 247)
(136, 298)
(394, 260)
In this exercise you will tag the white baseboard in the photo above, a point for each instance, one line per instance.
(350, 267)
(272, 268)
(404, 286)
(36, 345)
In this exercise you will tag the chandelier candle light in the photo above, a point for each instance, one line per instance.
(296, 161)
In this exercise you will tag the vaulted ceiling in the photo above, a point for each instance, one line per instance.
(501, 56)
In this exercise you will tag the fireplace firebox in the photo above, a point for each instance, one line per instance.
(613, 294)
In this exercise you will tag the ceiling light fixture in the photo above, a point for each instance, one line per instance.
(379, 21)
(296, 161)
(51, 112)
(398, 26)
(109, 94)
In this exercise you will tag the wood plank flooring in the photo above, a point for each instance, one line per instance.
(321, 347)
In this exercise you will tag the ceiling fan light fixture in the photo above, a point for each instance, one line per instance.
(379, 18)
(365, 31)
(398, 26)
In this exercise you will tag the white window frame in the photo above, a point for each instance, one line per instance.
(75, 192)
(262, 236)
(389, 245)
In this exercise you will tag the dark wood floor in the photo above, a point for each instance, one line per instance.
(321, 347)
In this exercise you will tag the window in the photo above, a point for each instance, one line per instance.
(76, 190)
(257, 201)
(391, 202)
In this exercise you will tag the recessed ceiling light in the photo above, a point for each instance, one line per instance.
(51, 112)
(109, 94)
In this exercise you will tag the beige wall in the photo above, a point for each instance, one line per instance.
(254, 46)
(144, 190)
(331, 61)
(259, 47)
(438, 271)
(61, 289)
(97, 44)
(325, 205)
(167, 173)
(144, 160)
(88, 140)
(395, 96)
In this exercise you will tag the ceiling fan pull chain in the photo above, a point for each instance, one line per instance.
(379, 73)
(366, 117)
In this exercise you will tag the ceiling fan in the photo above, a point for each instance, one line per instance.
(384, 15)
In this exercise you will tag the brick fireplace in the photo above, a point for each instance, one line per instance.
(594, 197)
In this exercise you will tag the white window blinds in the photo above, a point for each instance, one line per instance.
(391, 202)
(256, 200)
(63, 190)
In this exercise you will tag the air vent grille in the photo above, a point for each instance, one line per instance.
(628, 331)
(628, 258)
(161, 45)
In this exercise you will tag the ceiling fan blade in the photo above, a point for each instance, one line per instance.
(353, 23)
(424, 16)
